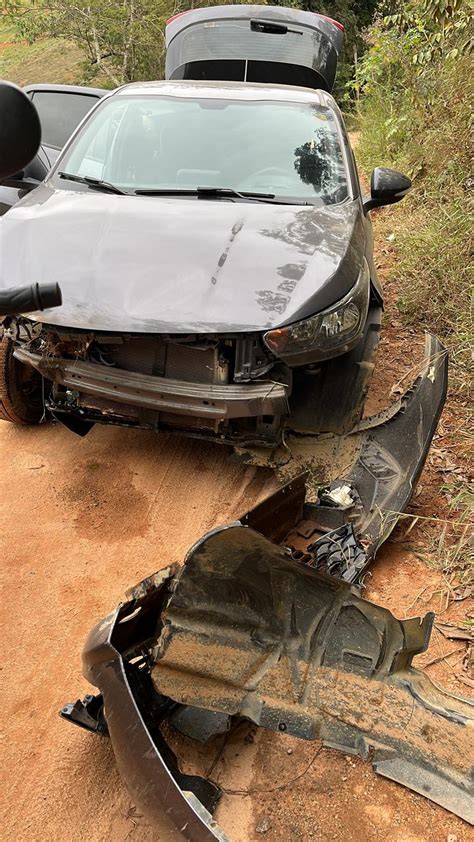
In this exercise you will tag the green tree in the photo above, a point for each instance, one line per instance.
(124, 41)
(355, 17)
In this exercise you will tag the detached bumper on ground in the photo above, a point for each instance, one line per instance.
(248, 632)
(244, 631)
(253, 626)
(178, 805)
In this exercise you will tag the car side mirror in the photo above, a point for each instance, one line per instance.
(386, 188)
(20, 130)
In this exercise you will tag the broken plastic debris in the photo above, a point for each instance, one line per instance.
(339, 553)
(323, 663)
(339, 495)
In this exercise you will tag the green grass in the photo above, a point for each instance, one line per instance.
(418, 121)
(429, 139)
(47, 60)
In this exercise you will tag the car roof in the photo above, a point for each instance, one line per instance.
(252, 91)
(66, 89)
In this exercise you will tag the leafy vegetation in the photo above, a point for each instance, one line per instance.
(47, 60)
(125, 41)
(416, 81)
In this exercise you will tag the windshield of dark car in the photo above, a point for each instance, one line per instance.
(156, 142)
(60, 112)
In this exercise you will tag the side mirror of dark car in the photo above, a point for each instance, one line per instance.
(20, 130)
(386, 188)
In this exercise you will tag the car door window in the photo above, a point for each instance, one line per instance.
(60, 113)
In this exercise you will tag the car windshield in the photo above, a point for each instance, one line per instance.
(291, 150)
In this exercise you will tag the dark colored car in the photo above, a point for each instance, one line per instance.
(61, 108)
(215, 256)
(212, 244)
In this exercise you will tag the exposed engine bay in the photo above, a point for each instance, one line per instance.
(228, 388)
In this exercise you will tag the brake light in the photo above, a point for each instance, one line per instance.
(331, 20)
(173, 17)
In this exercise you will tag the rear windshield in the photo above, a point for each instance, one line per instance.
(287, 149)
(60, 113)
(205, 50)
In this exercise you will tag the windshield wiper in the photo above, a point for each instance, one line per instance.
(97, 183)
(225, 192)
(229, 191)
(218, 192)
(247, 194)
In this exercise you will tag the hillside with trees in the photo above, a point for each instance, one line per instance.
(125, 42)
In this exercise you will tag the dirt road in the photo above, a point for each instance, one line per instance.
(80, 521)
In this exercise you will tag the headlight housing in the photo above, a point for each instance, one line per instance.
(327, 334)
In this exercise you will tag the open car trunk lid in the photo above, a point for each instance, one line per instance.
(271, 44)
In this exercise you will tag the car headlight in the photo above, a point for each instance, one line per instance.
(329, 333)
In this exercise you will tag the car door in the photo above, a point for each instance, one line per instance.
(60, 109)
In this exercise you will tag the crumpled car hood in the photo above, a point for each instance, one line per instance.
(175, 265)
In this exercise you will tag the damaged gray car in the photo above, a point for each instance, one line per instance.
(215, 260)
(264, 621)
(213, 246)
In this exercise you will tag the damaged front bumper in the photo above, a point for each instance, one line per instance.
(179, 805)
(312, 418)
(161, 394)
(243, 631)
(339, 525)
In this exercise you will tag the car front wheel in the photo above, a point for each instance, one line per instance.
(21, 388)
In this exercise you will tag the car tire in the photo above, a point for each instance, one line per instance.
(21, 388)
